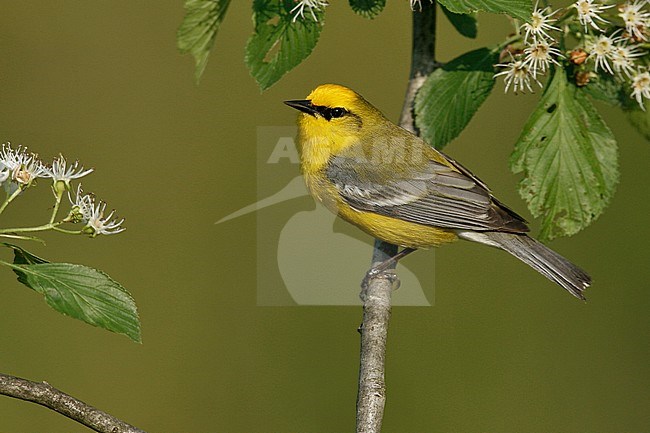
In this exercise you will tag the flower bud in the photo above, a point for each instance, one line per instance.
(578, 56)
(582, 78)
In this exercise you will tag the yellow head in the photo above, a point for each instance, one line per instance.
(334, 106)
(332, 118)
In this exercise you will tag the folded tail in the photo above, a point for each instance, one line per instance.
(538, 256)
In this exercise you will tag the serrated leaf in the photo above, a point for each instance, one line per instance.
(608, 89)
(465, 24)
(198, 30)
(451, 95)
(367, 8)
(569, 159)
(83, 293)
(521, 9)
(279, 43)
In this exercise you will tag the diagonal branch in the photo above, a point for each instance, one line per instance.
(46, 395)
(376, 296)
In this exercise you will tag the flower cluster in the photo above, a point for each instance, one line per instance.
(308, 5)
(609, 43)
(19, 170)
(538, 53)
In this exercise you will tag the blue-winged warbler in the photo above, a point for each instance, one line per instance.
(391, 184)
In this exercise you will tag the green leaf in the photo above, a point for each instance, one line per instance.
(521, 9)
(367, 8)
(81, 292)
(198, 30)
(569, 159)
(606, 88)
(638, 117)
(640, 120)
(279, 44)
(465, 24)
(451, 95)
(24, 257)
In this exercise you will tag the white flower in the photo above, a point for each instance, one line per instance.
(417, 2)
(22, 168)
(641, 87)
(517, 74)
(601, 50)
(4, 174)
(82, 205)
(589, 12)
(635, 19)
(4, 168)
(98, 224)
(299, 9)
(540, 24)
(61, 172)
(623, 59)
(539, 56)
(85, 210)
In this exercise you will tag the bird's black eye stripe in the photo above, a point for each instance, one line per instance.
(330, 113)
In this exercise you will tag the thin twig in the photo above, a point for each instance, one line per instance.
(376, 296)
(46, 395)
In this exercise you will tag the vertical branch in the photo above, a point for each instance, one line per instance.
(376, 296)
(423, 61)
(374, 330)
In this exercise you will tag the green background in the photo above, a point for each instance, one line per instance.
(502, 349)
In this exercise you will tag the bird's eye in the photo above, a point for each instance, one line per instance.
(338, 112)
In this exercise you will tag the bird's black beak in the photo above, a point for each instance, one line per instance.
(303, 105)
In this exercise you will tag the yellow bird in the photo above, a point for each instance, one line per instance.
(391, 184)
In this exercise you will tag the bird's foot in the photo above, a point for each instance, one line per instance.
(377, 273)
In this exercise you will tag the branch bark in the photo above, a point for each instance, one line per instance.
(46, 395)
(376, 296)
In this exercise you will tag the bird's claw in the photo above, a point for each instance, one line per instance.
(387, 274)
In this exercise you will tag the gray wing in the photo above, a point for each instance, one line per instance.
(433, 194)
